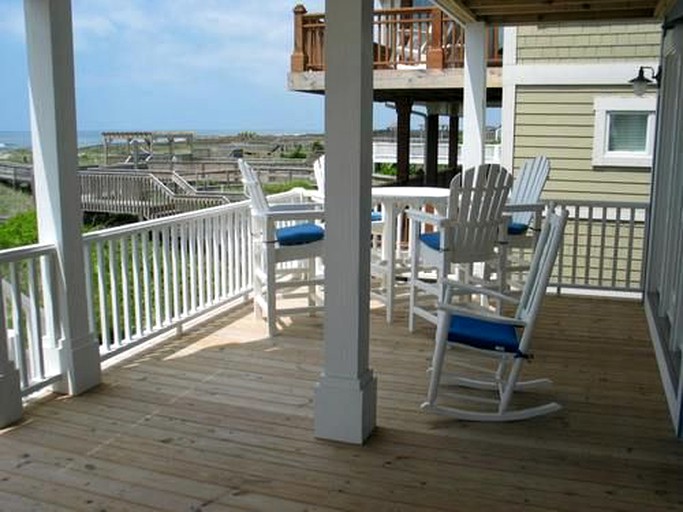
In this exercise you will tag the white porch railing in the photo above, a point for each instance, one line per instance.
(148, 278)
(31, 327)
(604, 246)
(384, 151)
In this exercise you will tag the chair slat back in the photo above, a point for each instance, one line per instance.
(252, 187)
(319, 173)
(528, 185)
(542, 264)
(475, 209)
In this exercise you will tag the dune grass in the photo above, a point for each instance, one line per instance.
(13, 202)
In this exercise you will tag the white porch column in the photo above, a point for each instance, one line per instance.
(474, 95)
(10, 390)
(507, 151)
(56, 185)
(345, 396)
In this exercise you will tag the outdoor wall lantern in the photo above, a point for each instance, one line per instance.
(640, 83)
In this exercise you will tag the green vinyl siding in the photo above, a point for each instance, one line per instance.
(558, 121)
(588, 42)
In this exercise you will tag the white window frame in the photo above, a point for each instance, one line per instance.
(603, 107)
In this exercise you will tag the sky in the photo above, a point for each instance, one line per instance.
(216, 65)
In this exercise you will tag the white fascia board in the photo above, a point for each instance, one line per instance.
(509, 46)
(598, 73)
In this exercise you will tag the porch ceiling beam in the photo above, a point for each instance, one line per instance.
(663, 7)
(458, 10)
(535, 11)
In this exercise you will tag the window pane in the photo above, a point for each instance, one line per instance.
(627, 131)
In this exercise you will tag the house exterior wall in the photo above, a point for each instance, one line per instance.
(552, 75)
(588, 42)
(558, 121)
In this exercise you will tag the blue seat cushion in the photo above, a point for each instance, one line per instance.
(376, 216)
(483, 334)
(517, 228)
(300, 234)
(431, 240)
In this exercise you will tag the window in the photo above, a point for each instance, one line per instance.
(624, 131)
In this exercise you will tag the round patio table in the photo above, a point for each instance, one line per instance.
(393, 201)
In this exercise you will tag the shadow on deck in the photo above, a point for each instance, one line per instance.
(221, 419)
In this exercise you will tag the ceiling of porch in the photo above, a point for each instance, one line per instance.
(509, 12)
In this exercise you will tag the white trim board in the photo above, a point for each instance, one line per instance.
(509, 46)
(600, 73)
(669, 386)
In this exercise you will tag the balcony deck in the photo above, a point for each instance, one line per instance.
(221, 419)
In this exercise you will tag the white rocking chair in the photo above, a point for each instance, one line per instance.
(283, 233)
(469, 233)
(498, 337)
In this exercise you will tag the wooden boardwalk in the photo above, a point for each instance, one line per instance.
(221, 419)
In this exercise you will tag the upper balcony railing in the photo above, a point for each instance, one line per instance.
(415, 37)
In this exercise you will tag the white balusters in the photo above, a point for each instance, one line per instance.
(603, 246)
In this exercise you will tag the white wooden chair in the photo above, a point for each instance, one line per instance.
(319, 195)
(287, 242)
(469, 233)
(319, 175)
(525, 195)
(525, 209)
(505, 339)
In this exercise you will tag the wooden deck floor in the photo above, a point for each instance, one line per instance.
(221, 419)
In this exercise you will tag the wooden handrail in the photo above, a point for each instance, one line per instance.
(414, 36)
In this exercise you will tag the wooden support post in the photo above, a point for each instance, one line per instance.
(435, 54)
(298, 59)
(432, 150)
(403, 109)
(453, 138)
(346, 394)
(57, 191)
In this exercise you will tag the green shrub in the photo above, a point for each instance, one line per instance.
(19, 230)
(298, 152)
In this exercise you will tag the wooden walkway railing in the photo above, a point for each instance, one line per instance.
(413, 37)
(138, 193)
(125, 192)
(16, 174)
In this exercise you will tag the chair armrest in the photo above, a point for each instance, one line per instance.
(315, 195)
(427, 218)
(287, 207)
(499, 319)
(525, 207)
(457, 285)
(308, 215)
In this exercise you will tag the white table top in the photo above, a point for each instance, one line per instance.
(410, 193)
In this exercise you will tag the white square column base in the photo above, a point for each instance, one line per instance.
(11, 407)
(345, 408)
(80, 366)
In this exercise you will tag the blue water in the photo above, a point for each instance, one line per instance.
(15, 140)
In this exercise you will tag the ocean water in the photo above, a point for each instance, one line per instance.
(15, 140)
